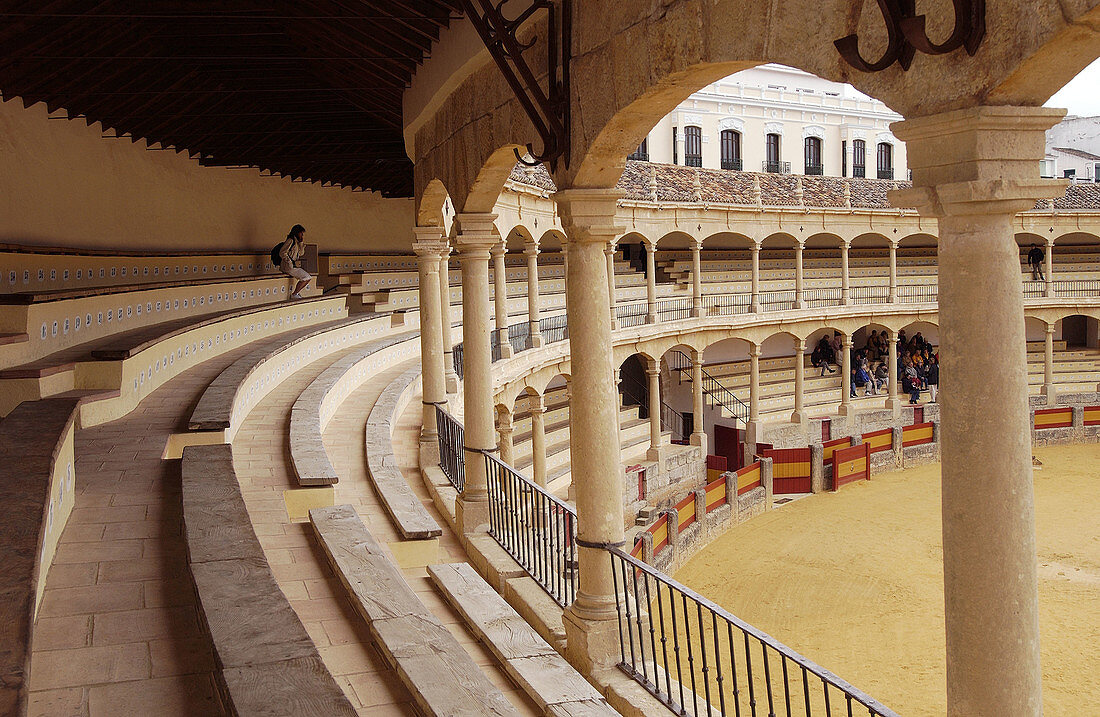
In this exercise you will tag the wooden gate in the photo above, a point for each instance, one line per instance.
(851, 464)
(790, 469)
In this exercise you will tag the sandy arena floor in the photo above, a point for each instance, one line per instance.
(853, 580)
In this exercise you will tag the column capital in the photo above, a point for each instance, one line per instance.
(846, 342)
(535, 404)
(894, 243)
(1050, 329)
(846, 244)
(499, 249)
(800, 345)
(696, 244)
(756, 246)
(1050, 242)
(531, 248)
(978, 160)
(654, 370)
(476, 233)
(590, 215)
(429, 243)
(755, 350)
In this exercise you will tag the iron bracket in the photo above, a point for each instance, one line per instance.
(906, 33)
(547, 109)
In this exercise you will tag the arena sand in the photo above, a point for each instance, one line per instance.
(853, 580)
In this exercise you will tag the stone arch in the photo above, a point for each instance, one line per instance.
(434, 208)
(518, 238)
(676, 239)
(727, 240)
(552, 240)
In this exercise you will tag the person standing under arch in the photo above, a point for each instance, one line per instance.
(1035, 259)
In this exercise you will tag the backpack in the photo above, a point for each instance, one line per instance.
(276, 251)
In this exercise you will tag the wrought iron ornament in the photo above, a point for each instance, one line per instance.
(907, 33)
(548, 109)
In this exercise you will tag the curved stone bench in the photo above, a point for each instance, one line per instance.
(267, 664)
(406, 511)
(441, 676)
(230, 396)
(36, 486)
(316, 405)
(140, 360)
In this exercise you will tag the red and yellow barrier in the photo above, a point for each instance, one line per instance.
(685, 512)
(916, 434)
(790, 469)
(851, 464)
(1092, 415)
(716, 494)
(828, 447)
(748, 478)
(659, 530)
(636, 552)
(879, 440)
(1054, 418)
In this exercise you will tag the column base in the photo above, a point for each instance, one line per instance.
(656, 454)
(752, 432)
(506, 350)
(1050, 392)
(471, 516)
(894, 404)
(651, 318)
(799, 417)
(846, 409)
(798, 303)
(452, 383)
(536, 340)
(696, 313)
(700, 439)
(591, 644)
(756, 308)
(429, 451)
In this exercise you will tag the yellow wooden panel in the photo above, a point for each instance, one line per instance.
(749, 478)
(685, 513)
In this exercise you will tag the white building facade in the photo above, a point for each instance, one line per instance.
(778, 119)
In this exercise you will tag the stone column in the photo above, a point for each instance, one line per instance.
(591, 626)
(698, 435)
(696, 278)
(475, 239)
(892, 401)
(974, 169)
(532, 252)
(651, 282)
(653, 373)
(428, 246)
(445, 305)
(1049, 288)
(506, 428)
(799, 290)
(846, 376)
(1048, 367)
(500, 296)
(609, 253)
(799, 414)
(754, 305)
(892, 296)
(845, 290)
(754, 383)
(538, 440)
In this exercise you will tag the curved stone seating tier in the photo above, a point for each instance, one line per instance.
(316, 405)
(138, 362)
(37, 487)
(407, 513)
(31, 269)
(266, 662)
(229, 397)
(59, 319)
(441, 676)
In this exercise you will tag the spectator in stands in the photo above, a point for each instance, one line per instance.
(933, 378)
(822, 356)
(872, 346)
(290, 259)
(1035, 258)
(911, 381)
(882, 376)
(863, 373)
(903, 342)
(836, 343)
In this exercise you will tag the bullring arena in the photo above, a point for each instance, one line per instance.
(547, 437)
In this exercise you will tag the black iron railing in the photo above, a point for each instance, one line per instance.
(1077, 289)
(674, 309)
(452, 457)
(815, 169)
(456, 356)
(859, 171)
(885, 174)
(734, 164)
(713, 389)
(633, 314)
(535, 528)
(635, 394)
(693, 160)
(698, 658)
(917, 294)
(777, 300)
(819, 298)
(726, 304)
(870, 294)
(553, 329)
(776, 167)
(1034, 289)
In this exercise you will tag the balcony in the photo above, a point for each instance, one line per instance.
(639, 156)
(815, 169)
(693, 160)
(734, 164)
(776, 167)
(859, 171)
(886, 174)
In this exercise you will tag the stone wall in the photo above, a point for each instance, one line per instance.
(666, 481)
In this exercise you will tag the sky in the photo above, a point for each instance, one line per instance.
(1082, 95)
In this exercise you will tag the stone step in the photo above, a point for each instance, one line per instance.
(441, 676)
(528, 659)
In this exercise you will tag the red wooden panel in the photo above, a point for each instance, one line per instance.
(851, 464)
(879, 440)
(790, 469)
(917, 434)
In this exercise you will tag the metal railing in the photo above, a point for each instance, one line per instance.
(820, 298)
(553, 329)
(713, 389)
(777, 300)
(452, 456)
(632, 314)
(671, 419)
(698, 658)
(535, 528)
(870, 294)
(693, 160)
(456, 356)
(859, 171)
(775, 167)
(674, 309)
(726, 304)
(1034, 289)
(814, 169)
(1077, 288)
(734, 164)
(917, 294)
(885, 174)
